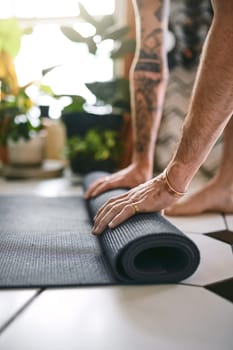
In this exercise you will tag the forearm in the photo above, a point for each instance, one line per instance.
(211, 104)
(147, 111)
(148, 78)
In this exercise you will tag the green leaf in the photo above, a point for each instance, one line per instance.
(116, 34)
(104, 24)
(10, 36)
(76, 105)
(86, 16)
(103, 91)
(49, 69)
(46, 89)
(72, 34)
(21, 129)
(96, 144)
(127, 46)
(114, 92)
(92, 47)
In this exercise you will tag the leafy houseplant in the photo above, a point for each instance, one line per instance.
(19, 125)
(116, 91)
(15, 121)
(94, 139)
(19, 130)
(97, 149)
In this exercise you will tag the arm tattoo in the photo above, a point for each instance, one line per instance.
(148, 71)
(149, 58)
(149, 66)
(144, 90)
(146, 105)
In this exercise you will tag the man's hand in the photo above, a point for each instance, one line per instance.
(133, 175)
(152, 196)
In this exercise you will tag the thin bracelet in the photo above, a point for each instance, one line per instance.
(170, 188)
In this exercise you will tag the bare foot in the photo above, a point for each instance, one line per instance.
(212, 198)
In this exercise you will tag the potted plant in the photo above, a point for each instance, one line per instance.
(82, 121)
(96, 150)
(20, 139)
(20, 129)
(93, 141)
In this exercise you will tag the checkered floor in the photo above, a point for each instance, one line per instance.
(195, 314)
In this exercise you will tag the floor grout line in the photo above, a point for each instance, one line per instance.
(191, 285)
(20, 311)
(225, 222)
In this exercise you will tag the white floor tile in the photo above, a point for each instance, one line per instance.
(204, 223)
(11, 301)
(216, 261)
(158, 317)
(229, 220)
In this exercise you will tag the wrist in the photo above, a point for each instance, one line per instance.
(144, 167)
(143, 161)
(169, 187)
(179, 176)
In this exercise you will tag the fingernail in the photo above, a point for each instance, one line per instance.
(110, 224)
(95, 230)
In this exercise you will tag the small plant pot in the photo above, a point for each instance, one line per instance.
(26, 152)
(78, 124)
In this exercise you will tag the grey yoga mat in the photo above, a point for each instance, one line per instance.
(47, 242)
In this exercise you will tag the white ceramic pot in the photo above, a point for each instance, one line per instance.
(26, 152)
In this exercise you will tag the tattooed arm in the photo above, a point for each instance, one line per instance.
(148, 78)
(209, 113)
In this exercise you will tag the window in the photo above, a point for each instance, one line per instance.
(47, 46)
(53, 8)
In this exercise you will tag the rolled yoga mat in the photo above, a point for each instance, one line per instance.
(47, 242)
(146, 248)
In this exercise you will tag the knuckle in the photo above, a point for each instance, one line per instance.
(127, 208)
(114, 209)
(111, 200)
(103, 222)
